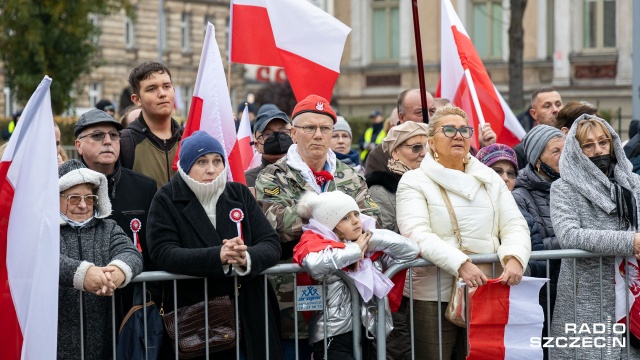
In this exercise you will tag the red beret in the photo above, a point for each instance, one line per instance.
(316, 104)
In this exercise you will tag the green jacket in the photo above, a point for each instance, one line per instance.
(278, 188)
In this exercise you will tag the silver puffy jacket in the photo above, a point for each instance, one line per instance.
(323, 264)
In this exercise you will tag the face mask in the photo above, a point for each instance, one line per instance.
(603, 162)
(549, 171)
(278, 143)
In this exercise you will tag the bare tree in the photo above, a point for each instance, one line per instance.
(516, 50)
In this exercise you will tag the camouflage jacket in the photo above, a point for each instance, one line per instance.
(279, 187)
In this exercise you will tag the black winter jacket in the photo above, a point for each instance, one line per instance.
(182, 240)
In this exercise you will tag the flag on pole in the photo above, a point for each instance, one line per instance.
(465, 81)
(504, 318)
(293, 34)
(626, 295)
(30, 234)
(243, 141)
(211, 109)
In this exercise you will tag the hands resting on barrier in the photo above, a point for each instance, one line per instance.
(102, 281)
(474, 277)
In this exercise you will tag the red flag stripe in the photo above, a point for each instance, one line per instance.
(10, 333)
(487, 321)
(256, 36)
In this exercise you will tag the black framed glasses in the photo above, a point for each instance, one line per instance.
(75, 199)
(311, 129)
(282, 134)
(450, 131)
(99, 135)
(416, 148)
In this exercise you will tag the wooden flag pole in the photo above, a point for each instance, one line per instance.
(423, 88)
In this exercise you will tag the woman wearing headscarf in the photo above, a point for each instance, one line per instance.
(594, 207)
(487, 217)
(192, 231)
(406, 146)
(96, 257)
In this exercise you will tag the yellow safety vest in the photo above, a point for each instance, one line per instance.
(368, 134)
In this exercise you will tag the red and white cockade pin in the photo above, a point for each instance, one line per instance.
(237, 216)
(135, 225)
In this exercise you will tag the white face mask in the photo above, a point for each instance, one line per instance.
(77, 225)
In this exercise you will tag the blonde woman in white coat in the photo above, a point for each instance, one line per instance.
(487, 216)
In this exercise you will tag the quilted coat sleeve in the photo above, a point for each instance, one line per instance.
(414, 222)
(515, 240)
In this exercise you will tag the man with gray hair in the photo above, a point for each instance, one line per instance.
(310, 165)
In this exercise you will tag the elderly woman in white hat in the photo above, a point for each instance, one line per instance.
(96, 257)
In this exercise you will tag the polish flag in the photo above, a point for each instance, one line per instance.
(211, 109)
(243, 142)
(293, 34)
(504, 319)
(464, 81)
(631, 290)
(30, 234)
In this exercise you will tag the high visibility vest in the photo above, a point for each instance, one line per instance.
(368, 134)
(11, 127)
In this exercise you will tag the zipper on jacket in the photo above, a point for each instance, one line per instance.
(84, 303)
(166, 155)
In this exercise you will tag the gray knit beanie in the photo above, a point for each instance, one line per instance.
(536, 140)
(342, 125)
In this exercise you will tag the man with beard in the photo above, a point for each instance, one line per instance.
(272, 136)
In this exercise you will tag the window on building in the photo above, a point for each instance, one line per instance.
(9, 103)
(93, 19)
(187, 94)
(185, 32)
(129, 34)
(385, 22)
(599, 24)
(486, 28)
(95, 93)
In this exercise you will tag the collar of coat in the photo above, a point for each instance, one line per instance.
(465, 184)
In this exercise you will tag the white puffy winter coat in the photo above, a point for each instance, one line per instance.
(488, 218)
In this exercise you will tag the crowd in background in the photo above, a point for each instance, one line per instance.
(406, 188)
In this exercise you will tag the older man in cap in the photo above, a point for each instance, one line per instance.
(310, 165)
(272, 138)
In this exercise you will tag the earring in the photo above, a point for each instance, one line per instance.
(436, 157)
(466, 159)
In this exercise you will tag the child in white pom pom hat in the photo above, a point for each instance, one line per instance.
(339, 237)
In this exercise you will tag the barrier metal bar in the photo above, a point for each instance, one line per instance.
(575, 305)
(175, 316)
(295, 316)
(266, 314)
(439, 285)
(144, 318)
(206, 319)
(113, 326)
(81, 326)
(236, 295)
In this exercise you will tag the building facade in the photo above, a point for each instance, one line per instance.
(581, 47)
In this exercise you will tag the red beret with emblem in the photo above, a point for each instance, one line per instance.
(315, 104)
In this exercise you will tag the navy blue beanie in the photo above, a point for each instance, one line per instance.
(198, 144)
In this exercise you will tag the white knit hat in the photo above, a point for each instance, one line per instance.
(326, 208)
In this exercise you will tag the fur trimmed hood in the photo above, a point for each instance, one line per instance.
(88, 176)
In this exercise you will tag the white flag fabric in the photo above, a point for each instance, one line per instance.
(30, 234)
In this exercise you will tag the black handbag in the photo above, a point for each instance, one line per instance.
(131, 341)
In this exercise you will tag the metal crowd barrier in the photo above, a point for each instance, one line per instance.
(278, 269)
(547, 255)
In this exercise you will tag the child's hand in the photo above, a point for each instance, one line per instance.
(363, 242)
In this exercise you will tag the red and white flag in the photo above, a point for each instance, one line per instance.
(631, 290)
(211, 109)
(30, 234)
(293, 34)
(503, 320)
(465, 81)
(243, 142)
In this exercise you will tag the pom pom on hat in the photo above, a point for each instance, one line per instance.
(198, 144)
(327, 208)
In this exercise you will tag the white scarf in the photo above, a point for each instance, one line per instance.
(295, 161)
(207, 194)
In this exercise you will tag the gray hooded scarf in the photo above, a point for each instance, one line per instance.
(584, 216)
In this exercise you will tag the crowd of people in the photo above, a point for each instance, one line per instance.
(407, 189)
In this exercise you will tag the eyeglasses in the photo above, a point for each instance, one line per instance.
(416, 148)
(75, 199)
(604, 144)
(450, 131)
(282, 134)
(99, 135)
(510, 173)
(311, 129)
